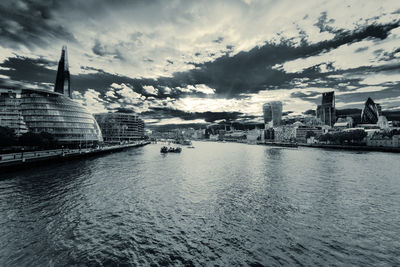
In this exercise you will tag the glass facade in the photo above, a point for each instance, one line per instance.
(53, 112)
(10, 113)
(118, 126)
(326, 112)
(67, 120)
(273, 112)
(370, 112)
(63, 82)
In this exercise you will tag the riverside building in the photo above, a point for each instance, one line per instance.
(120, 126)
(370, 112)
(326, 112)
(68, 121)
(53, 112)
(272, 113)
(301, 132)
(10, 113)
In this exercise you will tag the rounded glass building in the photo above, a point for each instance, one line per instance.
(52, 112)
(55, 113)
(10, 113)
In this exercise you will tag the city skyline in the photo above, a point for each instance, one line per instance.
(197, 62)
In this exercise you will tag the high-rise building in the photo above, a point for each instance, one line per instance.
(326, 112)
(63, 82)
(272, 113)
(120, 126)
(370, 112)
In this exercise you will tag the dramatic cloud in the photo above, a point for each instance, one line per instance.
(203, 61)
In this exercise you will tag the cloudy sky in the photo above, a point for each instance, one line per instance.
(183, 61)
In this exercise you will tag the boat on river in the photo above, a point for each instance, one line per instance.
(165, 149)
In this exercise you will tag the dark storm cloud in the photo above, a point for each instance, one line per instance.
(324, 23)
(250, 72)
(98, 49)
(387, 56)
(29, 70)
(9, 84)
(101, 50)
(310, 96)
(30, 23)
(162, 113)
(361, 49)
(39, 22)
(36, 71)
(362, 96)
(219, 40)
(246, 72)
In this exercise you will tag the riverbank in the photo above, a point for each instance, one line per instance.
(356, 148)
(17, 160)
(324, 146)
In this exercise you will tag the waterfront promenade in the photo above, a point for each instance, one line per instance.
(22, 158)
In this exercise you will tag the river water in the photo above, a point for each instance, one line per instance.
(218, 204)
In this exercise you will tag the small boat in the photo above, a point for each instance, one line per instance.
(190, 147)
(175, 150)
(186, 142)
(165, 149)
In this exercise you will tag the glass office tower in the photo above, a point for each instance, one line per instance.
(273, 113)
(326, 112)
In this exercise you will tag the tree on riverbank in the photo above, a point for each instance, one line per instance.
(355, 136)
(42, 140)
(7, 137)
(310, 134)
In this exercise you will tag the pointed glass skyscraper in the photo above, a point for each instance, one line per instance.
(63, 83)
(370, 113)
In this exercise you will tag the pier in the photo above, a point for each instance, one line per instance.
(15, 160)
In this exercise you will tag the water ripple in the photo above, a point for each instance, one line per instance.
(218, 204)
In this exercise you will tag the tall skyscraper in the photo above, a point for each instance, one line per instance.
(63, 83)
(370, 112)
(326, 112)
(273, 113)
